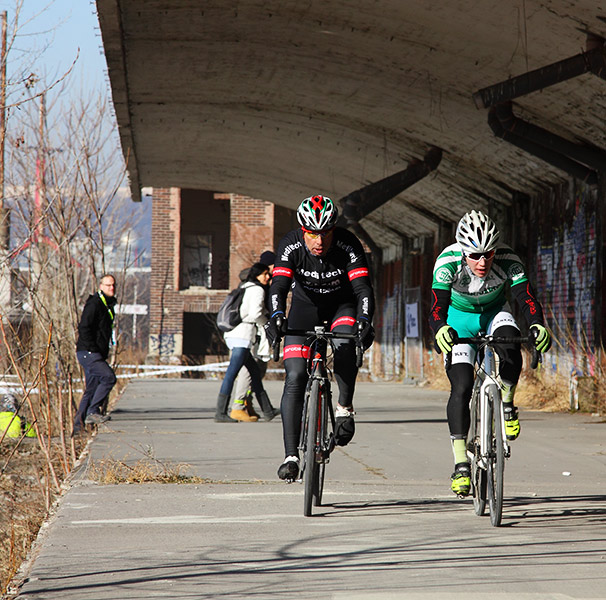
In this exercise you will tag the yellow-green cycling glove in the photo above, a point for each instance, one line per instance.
(445, 338)
(542, 337)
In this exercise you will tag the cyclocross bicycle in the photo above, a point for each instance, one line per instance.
(487, 445)
(318, 419)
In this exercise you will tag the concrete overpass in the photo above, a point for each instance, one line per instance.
(279, 99)
(408, 112)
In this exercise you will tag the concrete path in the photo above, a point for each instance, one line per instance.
(390, 529)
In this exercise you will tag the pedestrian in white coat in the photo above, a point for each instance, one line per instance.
(240, 341)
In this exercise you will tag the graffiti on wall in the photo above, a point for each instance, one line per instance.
(566, 284)
(164, 345)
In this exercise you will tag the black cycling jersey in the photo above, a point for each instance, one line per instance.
(339, 277)
(335, 288)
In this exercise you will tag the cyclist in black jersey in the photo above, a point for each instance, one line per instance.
(326, 269)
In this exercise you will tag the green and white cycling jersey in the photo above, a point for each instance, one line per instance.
(470, 293)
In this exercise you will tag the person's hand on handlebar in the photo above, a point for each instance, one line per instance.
(542, 337)
(275, 328)
(366, 332)
(446, 338)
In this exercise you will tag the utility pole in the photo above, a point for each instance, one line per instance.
(40, 194)
(5, 274)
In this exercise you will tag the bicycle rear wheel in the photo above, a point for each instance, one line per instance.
(496, 465)
(312, 468)
(478, 474)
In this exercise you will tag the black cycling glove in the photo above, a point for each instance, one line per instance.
(367, 333)
(275, 328)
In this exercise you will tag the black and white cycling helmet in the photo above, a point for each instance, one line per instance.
(476, 232)
(317, 213)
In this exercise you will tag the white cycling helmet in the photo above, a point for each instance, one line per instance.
(317, 213)
(477, 233)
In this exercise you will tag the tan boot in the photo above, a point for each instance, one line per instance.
(242, 415)
(250, 409)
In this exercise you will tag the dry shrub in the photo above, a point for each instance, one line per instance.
(24, 497)
(536, 390)
(435, 375)
(539, 392)
(145, 470)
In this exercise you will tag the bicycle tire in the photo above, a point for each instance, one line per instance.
(478, 474)
(324, 443)
(496, 464)
(311, 479)
(319, 487)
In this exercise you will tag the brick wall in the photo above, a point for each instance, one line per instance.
(166, 306)
(241, 228)
(251, 232)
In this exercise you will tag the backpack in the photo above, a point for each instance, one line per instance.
(229, 313)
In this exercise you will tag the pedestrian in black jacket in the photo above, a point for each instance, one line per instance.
(95, 337)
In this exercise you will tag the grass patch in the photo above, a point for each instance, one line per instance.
(144, 470)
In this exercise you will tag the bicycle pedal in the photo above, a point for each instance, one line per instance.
(299, 480)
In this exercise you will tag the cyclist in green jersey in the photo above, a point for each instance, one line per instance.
(470, 281)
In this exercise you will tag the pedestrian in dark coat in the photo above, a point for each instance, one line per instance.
(95, 337)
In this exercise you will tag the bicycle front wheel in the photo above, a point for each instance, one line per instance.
(319, 485)
(496, 465)
(312, 468)
(478, 474)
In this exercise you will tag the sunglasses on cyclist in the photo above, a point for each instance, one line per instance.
(480, 255)
(316, 234)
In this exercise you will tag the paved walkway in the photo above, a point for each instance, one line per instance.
(390, 529)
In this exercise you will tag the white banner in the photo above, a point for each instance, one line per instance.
(132, 309)
(412, 320)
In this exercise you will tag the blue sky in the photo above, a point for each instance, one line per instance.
(52, 32)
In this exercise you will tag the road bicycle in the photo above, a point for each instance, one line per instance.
(318, 420)
(487, 445)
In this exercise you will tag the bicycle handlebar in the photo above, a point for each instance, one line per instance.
(320, 332)
(492, 340)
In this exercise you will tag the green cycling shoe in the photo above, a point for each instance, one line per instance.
(512, 423)
(461, 480)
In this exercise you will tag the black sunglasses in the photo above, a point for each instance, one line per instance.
(479, 255)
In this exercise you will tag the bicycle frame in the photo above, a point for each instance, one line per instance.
(317, 427)
(491, 402)
(317, 420)
(319, 376)
(487, 442)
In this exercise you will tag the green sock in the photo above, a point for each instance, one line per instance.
(459, 449)
(507, 393)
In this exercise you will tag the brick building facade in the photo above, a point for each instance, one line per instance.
(201, 240)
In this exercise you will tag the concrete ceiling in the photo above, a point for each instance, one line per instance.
(279, 99)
